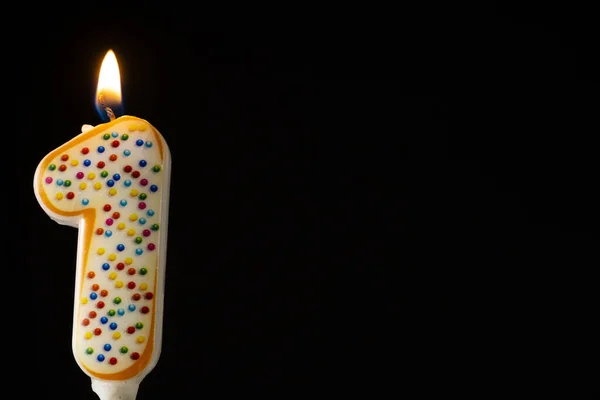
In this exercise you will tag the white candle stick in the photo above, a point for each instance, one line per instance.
(112, 182)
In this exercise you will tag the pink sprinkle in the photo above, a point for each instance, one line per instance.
(142, 205)
(146, 232)
(144, 182)
(79, 175)
(48, 180)
(109, 221)
(151, 246)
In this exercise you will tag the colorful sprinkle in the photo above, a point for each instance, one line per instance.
(79, 175)
(143, 286)
(143, 196)
(112, 276)
(100, 304)
(143, 163)
(133, 193)
(117, 300)
(116, 215)
(91, 176)
(120, 247)
(93, 295)
(112, 257)
(121, 312)
(106, 136)
(120, 266)
(115, 143)
(104, 293)
(99, 231)
(59, 182)
(131, 271)
(101, 251)
(154, 227)
(126, 153)
(70, 195)
(131, 232)
(62, 168)
(110, 183)
(101, 149)
(74, 163)
(125, 136)
(119, 284)
(133, 217)
(128, 260)
(115, 134)
(153, 188)
(109, 221)
(97, 186)
(135, 355)
(150, 212)
(139, 325)
(121, 226)
(111, 313)
(113, 361)
(84, 300)
(89, 350)
(85, 322)
(142, 221)
(135, 174)
(123, 203)
(148, 144)
(64, 157)
(85, 150)
(139, 142)
(141, 205)
(139, 251)
(106, 266)
(140, 339)
(148, 295)
(144, 182)
(108, 233)
(85, 202)
(67, 183)
(113, 326)
(131, 307)
(131, 285)
(103, 320)
(113, 157)
(88, 335)
(130, 330)
(95, 287)
(136, 296)
(144, 310)
(51, 167)
(112, 192)
(127, 182)
(100, 357)
(83, 186)
(138, 240)
(124, 350)
(92, 314)
(156, 168)
(91, 275)
(97, 331)
(116, 177)
(103, 174)
(87, 163)
(49, 180)
(116, 335)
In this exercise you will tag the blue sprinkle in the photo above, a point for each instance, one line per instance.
(143, 163)
(59, 182)
(85, 202)
(139, 252)
(120, 247)
(93, 295)
(110, 183)
(142, 221)
(121, 312)
(153, 188)
(100, 357)
(115, 134)
(105, 266)
(150, 213)
(126, 153)
(87, 163)
(100, 149)
(108, 233)
(123, 202)
(131, 307)
(139, 142)
(117, 177)
(104, 320)
(107, 347)
(148, 144)
(127, 183)
(113, 325)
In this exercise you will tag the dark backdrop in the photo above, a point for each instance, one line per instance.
(377, 200)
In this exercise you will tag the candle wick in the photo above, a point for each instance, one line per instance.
(108, 110)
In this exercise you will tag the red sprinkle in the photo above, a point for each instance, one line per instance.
(112, 361)
(127, 168)
(70, 195)
(135, 355)
(145, 310)
(131, 330)
(62, 168)
(148, 295)
(64, 157)
(100, 164)
(135, 174)
(100, 304)
(136, 297)
(115, 143)
(104, 293)
(97, 331)
(85, 322)
(113, 157)
(95, 287)
(131, 285)
(99, 231)
(120, 266)
(92, 314)
(107, 207)
(85, 150)
(131, 271)
(116, 215)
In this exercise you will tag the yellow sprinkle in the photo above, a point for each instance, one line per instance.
(91, 176)
(119, 284)
(116, 335)
(112, 276)
(143, 286)
(140, 339)
(112, 257)
(74, 163)
(84, 300)
(121, 226)
(100, 251)
(59, 196)
(131, 232)
(88, 335)
(133, 193)
(128, 260)
(97, 186)
(142, 128)
(132, 128)
(133, 217)
(82, 186)
(112, 191)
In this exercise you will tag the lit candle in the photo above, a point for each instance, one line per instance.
(112, 183)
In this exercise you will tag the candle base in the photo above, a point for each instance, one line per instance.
(111, 390)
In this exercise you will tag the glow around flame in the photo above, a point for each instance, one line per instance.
(109, 86)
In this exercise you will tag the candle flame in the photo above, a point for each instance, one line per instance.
(108, 91)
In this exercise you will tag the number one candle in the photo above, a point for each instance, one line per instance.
(112, 183)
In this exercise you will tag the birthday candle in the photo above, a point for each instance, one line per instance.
(112, 183)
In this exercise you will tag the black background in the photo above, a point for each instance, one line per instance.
(369, 200)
